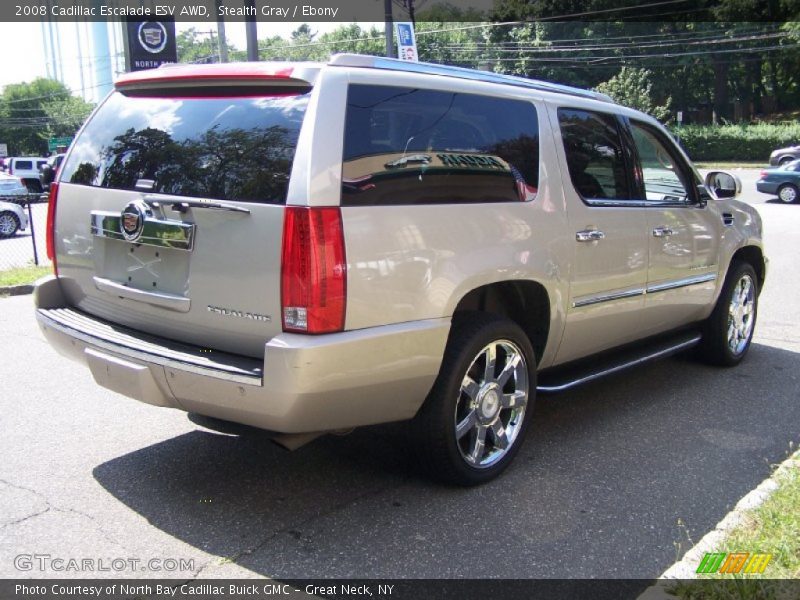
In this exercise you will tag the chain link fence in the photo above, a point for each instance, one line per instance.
(23, 221)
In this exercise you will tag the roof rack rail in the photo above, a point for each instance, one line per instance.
(393, 64)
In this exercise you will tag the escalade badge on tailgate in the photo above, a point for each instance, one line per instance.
(132, 221)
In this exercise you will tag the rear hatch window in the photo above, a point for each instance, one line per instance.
(221, 148)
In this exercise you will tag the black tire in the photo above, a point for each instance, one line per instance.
(488, 408)
(9, 224)
(723, 343)
(787, 193)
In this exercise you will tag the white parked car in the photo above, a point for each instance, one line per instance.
(11, 187)
(12, 219)
(27, 168)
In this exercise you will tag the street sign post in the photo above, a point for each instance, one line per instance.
(54, 143)
(406, 42)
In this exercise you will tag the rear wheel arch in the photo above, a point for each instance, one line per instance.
(527, 303)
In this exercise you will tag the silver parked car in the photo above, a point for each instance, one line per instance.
(783, 156)
(308, 248)
(13, 218)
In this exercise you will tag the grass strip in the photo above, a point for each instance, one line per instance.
(22, 275)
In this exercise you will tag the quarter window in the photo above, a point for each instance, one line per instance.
(415, 146)
(594, 152)
(24, 165)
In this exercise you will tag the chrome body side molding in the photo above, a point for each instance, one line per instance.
(679, 283)
(589, 300)
(650, 289)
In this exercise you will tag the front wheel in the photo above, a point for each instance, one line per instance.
(729, 330)
(787, 193)
(9, 224)
(475, 418)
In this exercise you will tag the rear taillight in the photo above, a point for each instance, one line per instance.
(313, 270)
(762, 174)
(51, 225)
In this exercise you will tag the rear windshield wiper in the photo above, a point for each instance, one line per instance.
(182, 205)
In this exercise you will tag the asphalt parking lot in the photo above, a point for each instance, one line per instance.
(616, 479)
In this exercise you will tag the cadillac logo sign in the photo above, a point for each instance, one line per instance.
(152, 36)
(150, 44)
(132, 220)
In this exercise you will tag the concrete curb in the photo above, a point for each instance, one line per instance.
(685, 568)
(16, 290)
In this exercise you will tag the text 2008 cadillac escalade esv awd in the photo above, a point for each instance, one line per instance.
(313, 247)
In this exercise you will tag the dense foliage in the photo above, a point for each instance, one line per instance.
(734, 62)
(31, 113)
(737, 142)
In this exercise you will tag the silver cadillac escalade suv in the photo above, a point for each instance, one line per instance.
(307, 248)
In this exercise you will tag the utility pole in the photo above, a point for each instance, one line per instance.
(389, 21)
(223, 42)
(251, 30)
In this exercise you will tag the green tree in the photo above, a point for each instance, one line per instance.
(633, 87)
(303, 46)
(199, 46)
(31, 113)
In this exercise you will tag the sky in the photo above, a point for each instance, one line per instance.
(22, 56)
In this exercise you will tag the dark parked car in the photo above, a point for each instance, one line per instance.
(782, 181)
(783, 156)
(49, 171)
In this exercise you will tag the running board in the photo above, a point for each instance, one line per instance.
(564, 378)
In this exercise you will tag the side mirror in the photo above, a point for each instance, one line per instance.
(724, 184)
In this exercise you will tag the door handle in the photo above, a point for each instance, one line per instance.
(663, 232)
(589, 235)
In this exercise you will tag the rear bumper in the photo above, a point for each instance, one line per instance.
(766, 187)
(304, 383)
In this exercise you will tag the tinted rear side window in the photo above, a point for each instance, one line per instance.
(219, 148)
(414, 146)
(594, 152)
(24, 165)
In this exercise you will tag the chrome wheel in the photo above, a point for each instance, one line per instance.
(741, 315)
(787, 194)
(8, 224)
(491, 406)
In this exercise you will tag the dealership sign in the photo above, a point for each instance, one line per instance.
(151, 44)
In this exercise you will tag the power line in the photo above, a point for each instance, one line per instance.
(596, 60)
(566, 49)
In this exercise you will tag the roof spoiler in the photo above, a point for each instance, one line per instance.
(290, 75)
